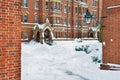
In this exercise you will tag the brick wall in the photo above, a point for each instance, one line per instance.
(10, 39)
(111, 32)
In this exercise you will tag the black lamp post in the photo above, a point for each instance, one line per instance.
(88, 17)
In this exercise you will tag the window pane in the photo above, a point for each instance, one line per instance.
(58, 6)
(55, 5)
(69, 9)
(25, 3)
(25, 18)
(65, 9)
(46, 5)
(25, 36)
(36, 5)
(36, 18)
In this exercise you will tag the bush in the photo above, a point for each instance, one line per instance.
(97, 49)
(96, 59)
(86, 49)
(83, 48)
(78, 49)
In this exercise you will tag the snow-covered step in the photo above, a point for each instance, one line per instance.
(110, 67)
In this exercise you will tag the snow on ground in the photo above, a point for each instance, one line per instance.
(62, 62)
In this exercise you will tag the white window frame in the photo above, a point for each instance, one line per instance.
(25, 15)
(25, 3)
(36, 4)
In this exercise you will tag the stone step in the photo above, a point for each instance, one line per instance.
(109, 67)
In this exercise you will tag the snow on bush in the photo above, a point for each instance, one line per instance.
(84, 48)
(91, 49)
(96, 59)
(78, 40)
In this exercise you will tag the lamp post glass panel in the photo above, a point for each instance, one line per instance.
(88, 17)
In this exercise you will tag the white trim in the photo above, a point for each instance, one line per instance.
(112, 7)
(48, 29)
(27, 23)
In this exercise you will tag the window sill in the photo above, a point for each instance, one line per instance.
(36, 8)
(23, 7)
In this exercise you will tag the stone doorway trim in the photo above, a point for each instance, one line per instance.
(42, 28)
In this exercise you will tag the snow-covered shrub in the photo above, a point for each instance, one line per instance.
(78, 40)
(69, 72)
(83, 48)
(78, 48)
(97, 49)
(96, 59)
(86, 49)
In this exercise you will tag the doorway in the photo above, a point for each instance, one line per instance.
(38, 37)
(47, 36)
(91, 35)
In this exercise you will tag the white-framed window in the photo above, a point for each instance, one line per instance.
(65, 9)
(68, 34)
(94, 13)
(59, 7)
(77, 23)
(25, 3)
(25, 35)
(36, 4)
(69, 22)
(65, 35)
(69, 9)
(36, 18)
(93, 3)
(25, 18)
(46, 5)
(65, 21)
(58, 20)
(55, 5)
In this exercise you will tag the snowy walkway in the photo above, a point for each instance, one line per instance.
(62, 62)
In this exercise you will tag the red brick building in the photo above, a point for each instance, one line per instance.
(111, 31)
(10, 40)
(66, 17)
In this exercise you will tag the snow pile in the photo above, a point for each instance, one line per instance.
(62, 62)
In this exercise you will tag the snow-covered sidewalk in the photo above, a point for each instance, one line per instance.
(62, 62)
